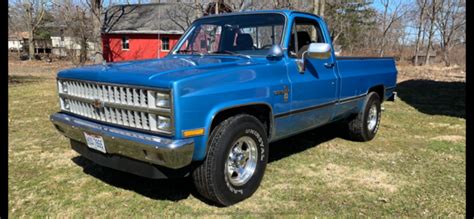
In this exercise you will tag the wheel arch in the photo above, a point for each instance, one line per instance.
(261, 110)
(379, 89)
(219, 114)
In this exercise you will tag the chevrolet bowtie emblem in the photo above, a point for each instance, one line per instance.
(98, 104)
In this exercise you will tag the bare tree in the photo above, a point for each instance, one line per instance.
(318, 7)
(32, 13)
(450, 22)
(96, 9)
(279, 4)
(240, 5)
(422, 8)
(77, 22)
(389, 17)
(432, 13)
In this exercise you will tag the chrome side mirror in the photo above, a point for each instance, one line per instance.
(315, 51)
(275, 52)
(319, 51)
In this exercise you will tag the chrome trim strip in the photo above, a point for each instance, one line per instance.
(345, 100)
(144, 147)
(115, 84)
(291, 112)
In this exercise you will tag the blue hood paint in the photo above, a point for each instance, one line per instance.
(156, 72)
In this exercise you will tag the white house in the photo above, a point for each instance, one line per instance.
(62, 44)
(14, 44)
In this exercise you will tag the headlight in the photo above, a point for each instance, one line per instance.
(162, 100)
(65, 104)
(62, 87)
(164, 123)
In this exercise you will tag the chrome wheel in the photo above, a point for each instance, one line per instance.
(372, 117)
(241, 161)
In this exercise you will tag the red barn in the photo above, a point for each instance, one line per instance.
(145, 31)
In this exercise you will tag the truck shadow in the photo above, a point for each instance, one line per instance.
(168, 189)
(434, 97)
(178, 189)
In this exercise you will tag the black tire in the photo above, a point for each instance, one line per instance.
(210, 176)
(358, 125)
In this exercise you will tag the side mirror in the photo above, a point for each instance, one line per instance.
(315, 51)
(319, 51)
(275, 52)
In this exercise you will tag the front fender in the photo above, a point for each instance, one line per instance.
(200, 98)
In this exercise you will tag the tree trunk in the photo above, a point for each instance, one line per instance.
(31, 45)
(384, 26)
(96, 7)
(322, 3)
(446, 57)
(430, 33)
(316, 7)
(420, 29)
(197, 9)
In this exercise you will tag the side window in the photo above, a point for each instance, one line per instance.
(303, 32)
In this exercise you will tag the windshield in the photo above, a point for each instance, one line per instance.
(247, 35)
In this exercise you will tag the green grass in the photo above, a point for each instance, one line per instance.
(414, 167)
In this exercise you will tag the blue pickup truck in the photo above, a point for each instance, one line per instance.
(232, 84)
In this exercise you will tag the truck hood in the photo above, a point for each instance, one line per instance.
(157, 72)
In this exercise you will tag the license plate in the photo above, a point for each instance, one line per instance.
(95, 142)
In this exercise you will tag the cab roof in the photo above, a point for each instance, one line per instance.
(285, 12)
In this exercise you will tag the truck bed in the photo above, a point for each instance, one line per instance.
(358, 74)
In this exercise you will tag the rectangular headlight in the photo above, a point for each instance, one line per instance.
(162, 100)
(163, 123)
(62, 87)
(65, 105)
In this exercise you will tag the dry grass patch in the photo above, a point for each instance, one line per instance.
(432, 72)
(450, 138)
(344, 177)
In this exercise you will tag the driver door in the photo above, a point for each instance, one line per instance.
(314, 91)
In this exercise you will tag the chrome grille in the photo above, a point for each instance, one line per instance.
(124, 117)
(116, 104)
(108, 93)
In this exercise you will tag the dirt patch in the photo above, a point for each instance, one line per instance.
(345, 177)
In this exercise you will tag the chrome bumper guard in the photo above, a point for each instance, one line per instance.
(140, 146)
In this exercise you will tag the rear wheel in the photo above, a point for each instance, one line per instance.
(365, 124)
(236, 161)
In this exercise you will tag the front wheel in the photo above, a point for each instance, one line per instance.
(235, 162)
(365, 124)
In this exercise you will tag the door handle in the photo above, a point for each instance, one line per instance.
(329, 65)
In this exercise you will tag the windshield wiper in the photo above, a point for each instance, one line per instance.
(232, 53)
(191, 51)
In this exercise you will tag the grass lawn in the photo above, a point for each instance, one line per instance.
(414, 167)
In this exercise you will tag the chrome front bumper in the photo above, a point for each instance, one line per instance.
(140, 146)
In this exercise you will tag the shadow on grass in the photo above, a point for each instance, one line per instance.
(163, 189)
(23, 79)
(434, 97)
(306, 140)
(181, 188)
